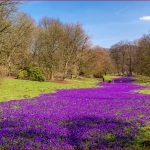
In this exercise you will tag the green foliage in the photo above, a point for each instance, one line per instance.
(32, 73)
(35, 73)
(22, 74)
(144, 80)
(143, 137)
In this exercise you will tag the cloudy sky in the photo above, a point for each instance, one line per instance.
(105, 22)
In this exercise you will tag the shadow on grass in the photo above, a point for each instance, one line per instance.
(85, 132)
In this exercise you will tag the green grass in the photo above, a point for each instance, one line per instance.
(11, 89)
(109, 77)
(143, 80)
(143, 137)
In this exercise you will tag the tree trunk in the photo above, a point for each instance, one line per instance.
(52, 73)
(66, 69)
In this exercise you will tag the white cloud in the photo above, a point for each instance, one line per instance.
(145, 18)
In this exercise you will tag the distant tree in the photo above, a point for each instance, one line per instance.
(96, 62)
(123, 56)
(143, 55)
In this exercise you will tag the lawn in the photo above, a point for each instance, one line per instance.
(17, 89)
(143, 80)
(111, 116)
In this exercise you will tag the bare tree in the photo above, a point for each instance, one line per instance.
(96, 62)
(17, 42)
(143, 55)
(7, 9)
(75, 41)
(48, 44)
(123, 55)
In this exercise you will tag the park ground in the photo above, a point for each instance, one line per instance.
(11, 89)
(25, 90)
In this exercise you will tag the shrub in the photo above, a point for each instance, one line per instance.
(22, 74)
(32, 73)
(35, 73)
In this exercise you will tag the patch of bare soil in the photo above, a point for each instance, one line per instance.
(59, 81)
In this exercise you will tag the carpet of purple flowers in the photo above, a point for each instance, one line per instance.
(105, 117)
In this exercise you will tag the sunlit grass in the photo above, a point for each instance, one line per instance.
(143, 80)
(17, 89)
(143, 137)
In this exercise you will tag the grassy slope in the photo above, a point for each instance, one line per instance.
(17, 89)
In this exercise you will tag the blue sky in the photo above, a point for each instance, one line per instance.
(106, 23)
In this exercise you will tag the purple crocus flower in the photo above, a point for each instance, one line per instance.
(108, 116)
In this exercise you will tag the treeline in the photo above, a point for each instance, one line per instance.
(132, 58)
(47, 50)
(55, 50)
